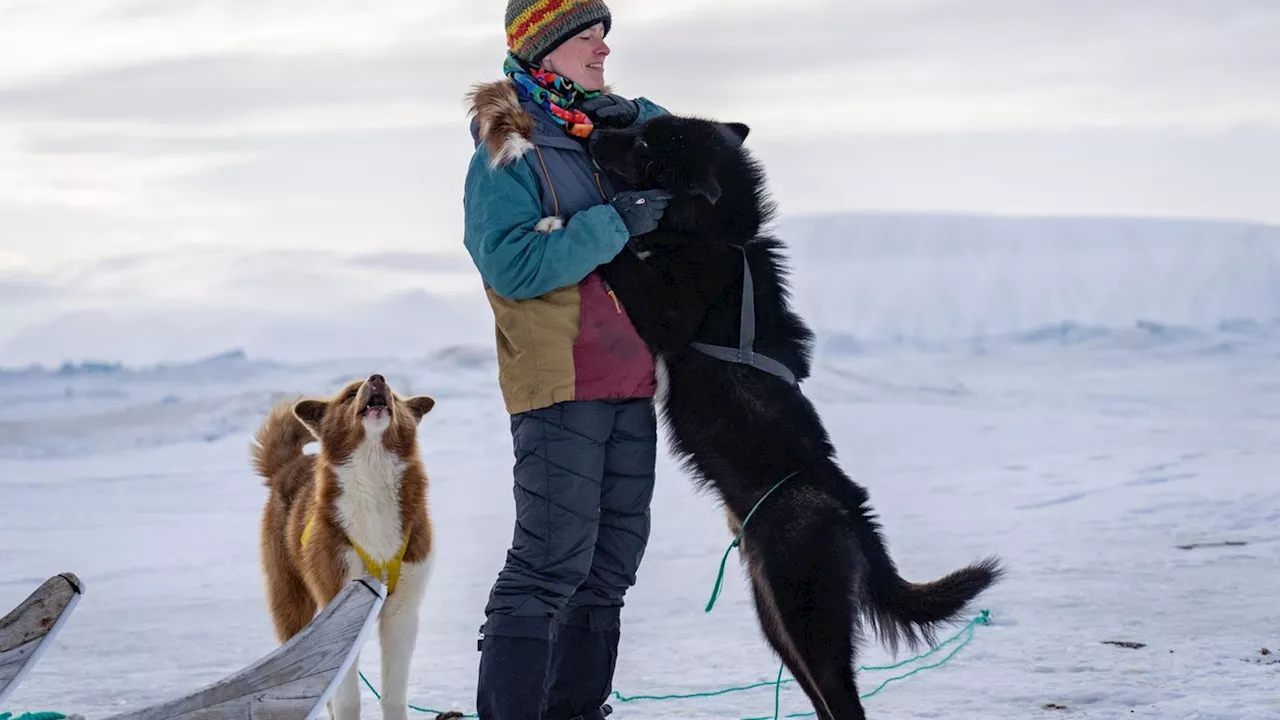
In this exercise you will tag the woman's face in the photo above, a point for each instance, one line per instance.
(581, 58)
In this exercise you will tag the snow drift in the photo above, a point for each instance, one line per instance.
(859, 279)
(912, 277)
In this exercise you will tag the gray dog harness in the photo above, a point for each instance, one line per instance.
(745, 352)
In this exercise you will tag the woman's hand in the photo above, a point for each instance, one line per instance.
(610, 111)
(641, 209)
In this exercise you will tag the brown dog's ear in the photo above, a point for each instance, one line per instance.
(311, 413)
(420, 406)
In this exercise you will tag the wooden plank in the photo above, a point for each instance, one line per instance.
(21, 655)
(26, 632)
(296, 680)
(36, 616)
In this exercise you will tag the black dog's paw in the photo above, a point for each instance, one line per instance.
(639, 248)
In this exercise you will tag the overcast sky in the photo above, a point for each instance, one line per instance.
(144, 125)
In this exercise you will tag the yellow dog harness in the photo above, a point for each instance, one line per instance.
(388, 572)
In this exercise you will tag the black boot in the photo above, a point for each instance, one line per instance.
(513, 677)
(599, 713)
(583, 659)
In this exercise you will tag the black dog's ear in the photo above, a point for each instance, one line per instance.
(738, 130)
(709, 188)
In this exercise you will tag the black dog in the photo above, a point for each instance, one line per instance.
(737, 418)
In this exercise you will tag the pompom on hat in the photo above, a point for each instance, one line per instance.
(536, 27)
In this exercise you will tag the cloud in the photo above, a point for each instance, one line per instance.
(17, 288)
(976, 65)
(101, 180)
(191, 302)
(207, 91)
(129, 125)
(214, 91)
(923, 65)
(46, 40)
(1114, 172)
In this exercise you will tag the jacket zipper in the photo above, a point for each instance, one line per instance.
(607, 289)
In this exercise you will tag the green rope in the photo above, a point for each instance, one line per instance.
(777, 692)
(964, 635)
(692, 696)
(966, 632)
(715, 592)
(982, 618)
(411, 707)
(33, 716)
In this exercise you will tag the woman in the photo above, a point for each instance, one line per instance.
(575, 377)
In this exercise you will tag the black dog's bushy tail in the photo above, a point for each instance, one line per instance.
(906, 612)
(912, 612)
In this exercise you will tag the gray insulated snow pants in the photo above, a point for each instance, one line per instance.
(584, 475)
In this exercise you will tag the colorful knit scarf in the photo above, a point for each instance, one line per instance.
(554, 93)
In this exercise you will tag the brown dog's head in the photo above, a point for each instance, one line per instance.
(365, 409)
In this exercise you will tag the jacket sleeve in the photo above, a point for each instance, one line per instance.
(648, 109)
(501, 207)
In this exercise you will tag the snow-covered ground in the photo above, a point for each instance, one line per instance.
(1086, 448)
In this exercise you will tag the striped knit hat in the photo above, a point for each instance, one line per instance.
(536, 27)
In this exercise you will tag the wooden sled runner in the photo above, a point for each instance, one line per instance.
(296, 680)
(26, 632)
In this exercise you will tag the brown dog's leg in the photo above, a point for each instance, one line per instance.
(323, 564)
(288, 599)
(291, 606)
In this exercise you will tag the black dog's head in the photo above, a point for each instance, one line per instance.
(702, 163)
(680, 155)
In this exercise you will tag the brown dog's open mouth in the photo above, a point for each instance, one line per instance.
(377, 406)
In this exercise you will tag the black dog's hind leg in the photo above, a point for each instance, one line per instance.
(775, 631)
(802, 570)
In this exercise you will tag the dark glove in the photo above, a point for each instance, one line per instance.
(610, 111)
(641, 209)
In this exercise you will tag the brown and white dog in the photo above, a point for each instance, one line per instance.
(357, 507)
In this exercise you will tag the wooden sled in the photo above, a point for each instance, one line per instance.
(26, 632)
(296, 680)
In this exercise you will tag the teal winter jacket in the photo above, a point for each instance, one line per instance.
(537, 224)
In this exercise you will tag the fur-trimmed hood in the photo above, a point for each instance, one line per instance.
(498, 121)
(505, 124)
